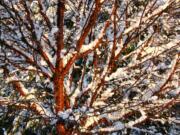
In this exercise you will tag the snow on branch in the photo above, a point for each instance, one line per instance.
(160, 85)
(153, 52)
(139, 120)
(95, 44)
(158, 11)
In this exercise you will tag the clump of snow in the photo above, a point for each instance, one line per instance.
(34, 6)
(54, 30)
(65, 114)
(90, 120)
(117, 126)
(89, 46)
(174, 92)
(99, 103)
(67, 57)
(120, 73)
(51, 12)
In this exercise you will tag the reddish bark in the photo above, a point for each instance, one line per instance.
(67, 101)
(18, 88)
(33, 106)
(59, 93)
(61, 129)
(58, 75)
(90, 24)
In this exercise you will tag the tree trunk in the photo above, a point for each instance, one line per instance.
(59, 93)
(59, 100)
(58, 75)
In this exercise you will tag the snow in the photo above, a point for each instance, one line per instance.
(54, 30)
(104, 96)
(144, 19)
(34, 6)
(120, 73)
(156, 87)
(139, 120)
(124, 80)
(90, 46)
(116, 115)
(13, 78)
(175, 120)
(67, 57)
(30, 97)
(4, 131)
(63, 115)
(45, 70)
(174, 92)
(83, 109)
(75, 94)
(53, 121)
(1, 71)
(152, 52)
(51, 12)
(98, 51)
(90, 120)
(119, 47)
(153, 98)
(99, 103)
(94, 44)
(117, 126)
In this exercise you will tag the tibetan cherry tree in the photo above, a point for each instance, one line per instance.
(88, 66)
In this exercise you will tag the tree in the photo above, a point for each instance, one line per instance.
(88, 66)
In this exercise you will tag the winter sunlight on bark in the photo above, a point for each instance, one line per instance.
(75, 67)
